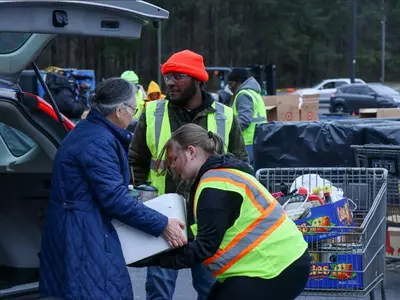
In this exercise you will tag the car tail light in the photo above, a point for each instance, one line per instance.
(332, 96)
(47, 109)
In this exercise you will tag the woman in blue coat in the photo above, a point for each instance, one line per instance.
(81, 256)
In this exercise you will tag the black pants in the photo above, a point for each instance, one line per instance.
(287, 286)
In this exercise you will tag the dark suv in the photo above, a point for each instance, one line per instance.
(350, 98)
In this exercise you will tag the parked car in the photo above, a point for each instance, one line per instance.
(327, 87)
(31, 130)
(351, 98)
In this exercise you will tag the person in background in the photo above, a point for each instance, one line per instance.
(132, 77)
(243, 234)
(184, 75)
(153, 93)
(81, 255)
(248, 105)
(70, 102)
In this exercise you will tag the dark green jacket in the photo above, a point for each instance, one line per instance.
(140, 155)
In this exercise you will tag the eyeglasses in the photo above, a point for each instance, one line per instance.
(134, 109)
(175, 77)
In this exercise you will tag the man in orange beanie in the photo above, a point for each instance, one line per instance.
(184, 75)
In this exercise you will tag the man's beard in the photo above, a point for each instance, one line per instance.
(186, 96)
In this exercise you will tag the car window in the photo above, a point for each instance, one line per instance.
(17, 142)
(340, 83)
(384, 90)
(345, 89)
(363, 90)
(359, 90)
(329, 85)
(12, 41)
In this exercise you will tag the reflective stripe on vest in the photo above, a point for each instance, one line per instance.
(159, 131)
(259, 114)
(271, 216)
(262, 224)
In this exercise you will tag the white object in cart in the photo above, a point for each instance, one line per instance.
(136, 244)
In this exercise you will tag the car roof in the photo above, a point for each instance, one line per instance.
(352, 85)
(343, 79)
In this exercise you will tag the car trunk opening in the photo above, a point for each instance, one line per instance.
(29, 129)
(39, 21)
(26, 158)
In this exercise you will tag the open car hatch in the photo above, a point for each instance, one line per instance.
(27, 26)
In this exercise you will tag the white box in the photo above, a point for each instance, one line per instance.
(136, 244)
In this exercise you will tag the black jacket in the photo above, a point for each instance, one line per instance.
(217, 210)
(140, 155)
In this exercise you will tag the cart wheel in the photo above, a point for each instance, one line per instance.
(372, 295)
(383, 291)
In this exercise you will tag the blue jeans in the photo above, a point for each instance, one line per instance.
(250, 151)
(160, 283)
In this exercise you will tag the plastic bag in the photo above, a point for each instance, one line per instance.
(311, 181)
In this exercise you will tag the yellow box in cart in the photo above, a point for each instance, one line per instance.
(326, 221)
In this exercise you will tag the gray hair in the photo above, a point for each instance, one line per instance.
(111, 93)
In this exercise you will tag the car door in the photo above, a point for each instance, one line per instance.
(367, 100)
(351, 97)
(360, 98)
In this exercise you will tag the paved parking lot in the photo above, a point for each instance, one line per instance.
(185, 291)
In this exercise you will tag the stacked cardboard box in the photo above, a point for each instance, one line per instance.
(286, 107)
(379, 113)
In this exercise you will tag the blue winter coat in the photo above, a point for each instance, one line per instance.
(81, 256)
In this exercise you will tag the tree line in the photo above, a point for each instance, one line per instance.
(307, 40)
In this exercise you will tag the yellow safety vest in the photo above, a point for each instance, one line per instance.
(159, 131)
(263, 241)
(139, 104)
(259, 114)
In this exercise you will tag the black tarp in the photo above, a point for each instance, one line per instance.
(319, 143)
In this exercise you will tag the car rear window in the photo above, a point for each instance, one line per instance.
(344, 89)
(12, 41)
(17, 142)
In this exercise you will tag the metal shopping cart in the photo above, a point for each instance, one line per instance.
(348, 261)
(388, 157)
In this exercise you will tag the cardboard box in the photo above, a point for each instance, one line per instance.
(379, 113)
(344, 273)
(171, 205)
(309, 109)
(336, 214)
(393, 242)
(282, 108)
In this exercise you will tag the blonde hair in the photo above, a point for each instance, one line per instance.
(194, 135)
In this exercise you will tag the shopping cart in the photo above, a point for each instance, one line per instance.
(388, 157)
(350, 260)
